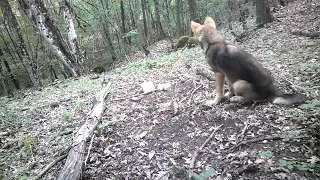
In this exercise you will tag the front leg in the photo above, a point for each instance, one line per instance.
(219, 87)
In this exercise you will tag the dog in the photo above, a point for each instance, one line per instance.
(248, 81)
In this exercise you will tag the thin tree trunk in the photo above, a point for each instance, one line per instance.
(10, 19)
(178, 11)
(4, 81)
(144, 19)
(158, 19)
(6, 64)
(107, 34)
(53, 74)
(193, 9)
(123, 19)
(263, 12)
(72, 36)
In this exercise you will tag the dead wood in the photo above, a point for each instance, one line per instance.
(73, 166)
(196, 153)
(255, 140)
(49, 166)
(307, 34)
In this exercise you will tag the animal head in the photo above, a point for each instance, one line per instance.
(196, 27)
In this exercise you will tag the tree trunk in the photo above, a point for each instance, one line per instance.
(40, 18)
(106, 33)
(263, 12)
(142, 39)
(53, 74)
(144, 19)
(72, 36)
(13, 79)
(123, 24)
(178, 11)
(158, 20)
(193, 9)
(5, 84)
(10, 19)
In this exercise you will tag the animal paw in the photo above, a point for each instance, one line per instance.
(216, 101)
(229, 95)
(237, 99)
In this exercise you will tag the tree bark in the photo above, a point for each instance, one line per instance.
(144, 19)
(158, 19)
(263, 12)
(6, 64)
(22, 51)
(193, 9)
(40, 18)
(123, 24)
(178, 11)
(73, 167)
(72, 36)
(4, 81)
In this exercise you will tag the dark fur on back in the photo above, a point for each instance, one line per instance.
(238, 64)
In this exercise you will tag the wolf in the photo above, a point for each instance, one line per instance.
(247, 80)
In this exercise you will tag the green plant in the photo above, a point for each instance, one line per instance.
(67, 116)
(209, 172)
(26, 145)
(313, 105)
(266, 154)
(311, 165)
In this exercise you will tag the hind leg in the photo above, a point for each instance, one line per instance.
(243, 92)
(231, 89)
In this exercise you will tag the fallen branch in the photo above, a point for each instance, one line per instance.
(89, 149)
(196, 153)
(49, 166)
(73, 166)
(307, 34)
(254, 141)
(129, 96)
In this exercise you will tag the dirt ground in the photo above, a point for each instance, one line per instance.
(155, 136)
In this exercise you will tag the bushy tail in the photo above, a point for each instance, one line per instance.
(289, 99)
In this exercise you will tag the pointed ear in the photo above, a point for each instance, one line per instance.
(194, 26)
(210, 22)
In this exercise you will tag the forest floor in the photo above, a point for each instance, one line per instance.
(154, 136)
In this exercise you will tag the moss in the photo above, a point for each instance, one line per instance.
(99, 69)
(192, 42)
(182, 41)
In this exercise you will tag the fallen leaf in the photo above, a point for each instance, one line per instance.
(147, 86)
(151, 154)
(259, 161)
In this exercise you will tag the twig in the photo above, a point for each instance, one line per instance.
(255, 140)
(50, 166)
(89, 149)
(196, 153)
(129, 96)
(244, 130)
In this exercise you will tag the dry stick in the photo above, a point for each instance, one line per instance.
(129, 96)
(196, 153)
(244, 130)
(50, 166)
(255, 140)
(89, 149)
